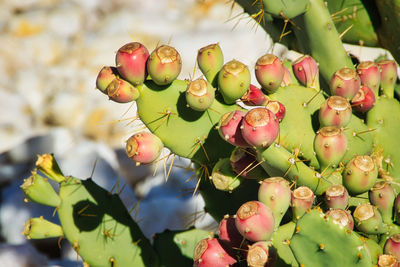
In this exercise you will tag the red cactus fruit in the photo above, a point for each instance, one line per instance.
(306, 71)
(386, 260)
(364, 100)
(368, 219)
(330, 145)
(341, 217)
(210, 253)
(210, 60)
(229, 234)
(345, 82)
(336, 197)
(261, 254)
(370, 75)
(335, 111)
(105, 77)
(244, 163)
(302, 200)
(143, 147)
(200, 95)
(131, 62)
(277, 108)
(269, 72)
(254, 96)
(392, 246)
(260, 127)
(229, 128)
(255, 221)
(122, 91)
(382, 195)
(164, 65)
(360, 174)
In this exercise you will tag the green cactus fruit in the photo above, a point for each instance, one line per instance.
(233, 81)
(49, 167)
(330, 145)
(306, 71)
(370, 75)
(382, 195)
(386, 260)
(39, 190)
(364, 100)
(200, 95)
(229, 128)
(105, 77)
(131, 62)
(341, 217)
(360, 174)
(345, 83)
(210, 252)
(210, 60)
(269, 72)
(39, 228)
(277, 108)
(254, 96)
(261, 254)
(143, 147)
(369, 220)
(164, 65)
(388, 76)
(335, 111)
(336, 197)
(392, 246)
(302, 200)
(223, 177)
(122, 91)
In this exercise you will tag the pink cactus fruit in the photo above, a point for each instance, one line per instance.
(341, 217)
(277, 108)
(330, 146)
(200, 95)
(388, 76)
(345, 83)
(364, 100)
(131, 62)
(392, 246)
(260, 127)
(244, 163)
(254, 96)
(261, 254)
(255, 221)
(229, 234)
(229, 128)
(382, 195)
(210, 60)
(210, 253)
(306, 71)
(336, 197)
(105, 77)
(143, 147)
(122, 91)
(370, 75)
(287, 78)
(269, 72)
(360, 174)
(335, 111)
(302, 200)
(164, 65)
(386, 260)
(275, 193)
(369, 220)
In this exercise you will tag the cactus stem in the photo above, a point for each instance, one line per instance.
(345, 31)
(362, 132)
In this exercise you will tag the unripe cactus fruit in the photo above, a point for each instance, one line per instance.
(386, 260)
(254, 96)
(368, 219)
(370, 75)
(210, 60)
(244, 163)
(341, 217)
(388, 76)
(223, 177)
(345, 82)
(287, 78)
(364, 100)
(105, 77)
(277, 108)
(210, 253)
(143, 147)
(122, 91)
(131, 62)
(260, 127)
(306, 71)
(255, 221)
(302, 200)
(336, 197)
(233, 81)
(259, 255)
(360, 174)
(335, 111)
(164, 65)
(382, 195)
(269, 72)
(330, 145)
(392, 246)
(200, 94)
(229, 128)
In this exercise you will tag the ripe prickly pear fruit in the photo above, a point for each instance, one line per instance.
(255, 221)
(330, 145)
(302, 200)
(105, 77)
(164, 65)
(233, 81)
(370, 75)
(345, 83)
(287, 78)
(336, 197)
(122, 91)
(143, 147)
(306, 71)
(392, 246)
(382, 195)
(386, 260)
(269, 72)
(360, 174)
(229, 234)
(210, 253)
(335, 111)
(364, 100)
(229, 128)
(260, 127)
(254, 97)
(200, 95)
(259, 255)
(210, 60)
(388, 76)
(277, 108)
(341, 217)
(131, 62)
(223, 177)
(368, 219)
(275, 193)
(244, 163)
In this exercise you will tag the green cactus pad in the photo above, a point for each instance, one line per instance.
(39, 190)
(280, 241)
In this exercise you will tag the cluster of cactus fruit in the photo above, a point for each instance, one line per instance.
(298, 172)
